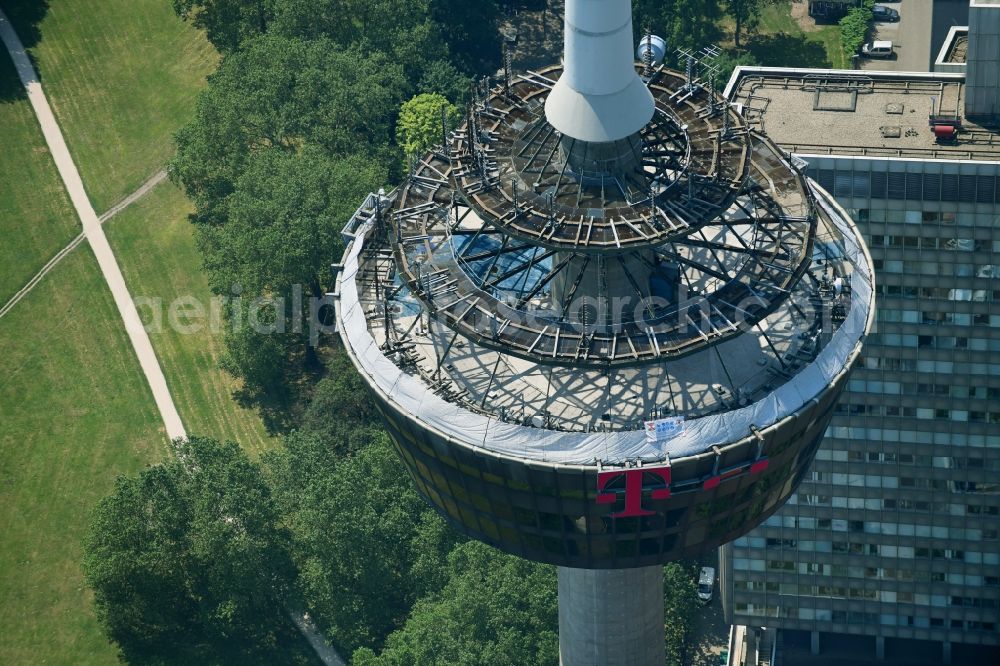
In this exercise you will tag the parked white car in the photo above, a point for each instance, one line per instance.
(877, 49)
(706, 584)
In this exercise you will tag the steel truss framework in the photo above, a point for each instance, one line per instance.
(487, 225)
(506, 161)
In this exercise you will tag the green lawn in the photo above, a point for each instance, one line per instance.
(74, 405)
(121, 76)
(154, 243)
(782, 40)
(76, 411)
(36, 217)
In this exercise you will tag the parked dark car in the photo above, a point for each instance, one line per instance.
(885, 14)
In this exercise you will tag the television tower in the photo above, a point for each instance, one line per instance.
(606, 322)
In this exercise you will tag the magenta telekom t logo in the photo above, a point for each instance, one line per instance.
(633, 489)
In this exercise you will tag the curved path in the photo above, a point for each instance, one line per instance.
(93, 232)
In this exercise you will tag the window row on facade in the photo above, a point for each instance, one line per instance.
(937, 316)
(921, 413)
(878, 432)
(874, 527)
(842, 480)
(939, 293)
(876, 242)
(946, 342)
(952, 371)
(906, 459)
(883, 550)
(880, 575)
(816, 495)
(834, 591)
(864, 184)
(897, 217)
(860, 617)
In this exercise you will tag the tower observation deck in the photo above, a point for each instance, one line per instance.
(606, 323)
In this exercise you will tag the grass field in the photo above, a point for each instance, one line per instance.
(788, 37)
(154, 243)
(806, 44)
(76, 411)
(121, 76)
(36, 218)
(74, 405)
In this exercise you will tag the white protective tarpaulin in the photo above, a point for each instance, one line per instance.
(411, 396)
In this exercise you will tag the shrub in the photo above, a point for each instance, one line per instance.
(854, 26)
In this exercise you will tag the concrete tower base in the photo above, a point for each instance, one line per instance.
(611, 617)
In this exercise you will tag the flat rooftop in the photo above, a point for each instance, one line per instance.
(860, 113)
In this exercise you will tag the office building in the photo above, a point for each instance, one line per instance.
(893, 535)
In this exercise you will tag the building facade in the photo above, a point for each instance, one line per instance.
(893, 534)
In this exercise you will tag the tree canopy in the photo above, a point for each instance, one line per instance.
(365, 543)
(287, 140)
(420, 122)
(284, 94)
(680, 598)
(746, 14)
(227, 22)
(341, 412)
(727, 63)
(495, 609)
(690, 24)
(854, 27)
(190, 556)
(415, 32)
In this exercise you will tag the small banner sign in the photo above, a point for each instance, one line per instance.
(662, 430)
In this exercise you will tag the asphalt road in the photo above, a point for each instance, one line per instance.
(910, 36)
(710, 634)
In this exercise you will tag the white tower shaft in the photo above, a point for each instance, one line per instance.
(599, 98)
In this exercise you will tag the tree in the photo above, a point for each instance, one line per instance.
(854, 27)
(284, 94)
(189, 558)
(416, 34)
(283, 221)
(227, 22)
(341, 411)
(445, 79)
(690, 24)
(273, 161)
(746, 13)
(473, 32)
(420, 123)
(404, 30)
(727, 63)
(280, 235)
(361, 535)
(680, 598)
(495, 609)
